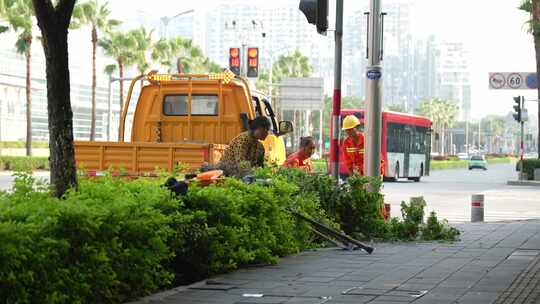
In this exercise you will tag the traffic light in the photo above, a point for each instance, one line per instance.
(517, 108)
(234, 60)
(316, 12)
(253, 62)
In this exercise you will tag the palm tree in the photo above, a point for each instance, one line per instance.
(144, 44)
(161, 53)
(294, 65)
(19, 15)
(97, 17)
(181, 55)
(3, 9)
(493, 125)
(122, 47)
(449, 111)
(533, 8)
(443, 115)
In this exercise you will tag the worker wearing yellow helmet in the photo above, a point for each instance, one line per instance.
(353, 146)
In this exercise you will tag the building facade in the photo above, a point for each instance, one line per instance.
(13, 98)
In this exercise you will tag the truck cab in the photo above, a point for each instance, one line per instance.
(184, 118)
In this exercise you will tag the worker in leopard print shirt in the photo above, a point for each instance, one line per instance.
(245, 150)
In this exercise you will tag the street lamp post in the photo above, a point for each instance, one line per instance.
(166, 20)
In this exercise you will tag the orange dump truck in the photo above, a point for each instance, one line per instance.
(182, 118)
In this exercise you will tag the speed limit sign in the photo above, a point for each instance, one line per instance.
(514, 80)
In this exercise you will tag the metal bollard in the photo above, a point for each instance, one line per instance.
(477, 208)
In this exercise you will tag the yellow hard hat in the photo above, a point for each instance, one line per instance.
(350, 122)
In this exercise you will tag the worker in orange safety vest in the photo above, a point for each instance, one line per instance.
(353, 146)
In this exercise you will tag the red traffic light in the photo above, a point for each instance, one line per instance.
(234, 60)
(253, 62)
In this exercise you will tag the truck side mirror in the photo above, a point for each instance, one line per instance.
(285, 127)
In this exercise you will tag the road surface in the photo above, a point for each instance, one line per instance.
(6, 180)
(448, 192)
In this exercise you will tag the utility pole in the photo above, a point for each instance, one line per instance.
(479, 134)
(521, 147)
(336, 105)
(467, 135)
(372, 157)
(520, 116)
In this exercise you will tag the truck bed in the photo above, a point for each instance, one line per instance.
(142, 158)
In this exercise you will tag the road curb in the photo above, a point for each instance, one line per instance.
(524, 183)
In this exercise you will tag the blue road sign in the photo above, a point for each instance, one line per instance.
(532, 81)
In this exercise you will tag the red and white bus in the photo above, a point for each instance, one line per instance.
(405, 146)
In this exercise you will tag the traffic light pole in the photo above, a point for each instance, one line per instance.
(336, 105)
(243, 61)
(522, 148)
(374, 94)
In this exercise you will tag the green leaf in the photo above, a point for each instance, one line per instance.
(110, 69)
(526, 5)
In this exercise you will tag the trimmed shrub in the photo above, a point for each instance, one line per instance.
(529, 165)
(112, 239)
(22, 144)
(23, 163)
(105, 242)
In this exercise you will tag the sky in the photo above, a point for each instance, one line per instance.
(494, 32)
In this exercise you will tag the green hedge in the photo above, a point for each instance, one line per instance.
(114, 240)
(321, 166)
(24, 163)
(529, 165)
(22, 144)
(448, 164)
(500, 160)
(453, 164)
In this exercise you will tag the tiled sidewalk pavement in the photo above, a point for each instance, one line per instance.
(493, 263)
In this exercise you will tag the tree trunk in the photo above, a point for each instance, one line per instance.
(54, 25)
(29, 98)
(537, 51)
(93, 119)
